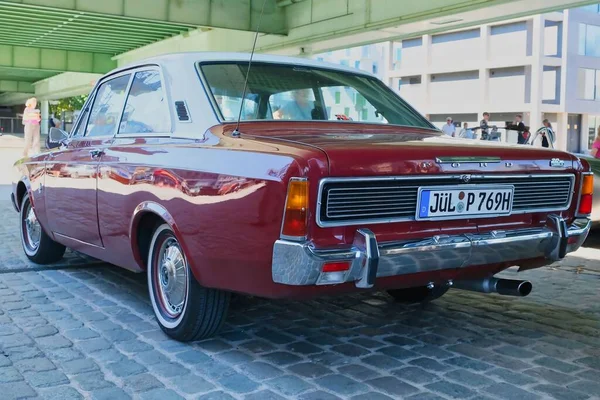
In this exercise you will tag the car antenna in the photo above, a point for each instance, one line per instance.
(236, 131)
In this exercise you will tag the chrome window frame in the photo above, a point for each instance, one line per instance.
(80, 118)
(100, 83)
(329, 224)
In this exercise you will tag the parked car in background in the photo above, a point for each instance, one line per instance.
(308, 197)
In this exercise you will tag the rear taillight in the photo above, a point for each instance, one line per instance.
(295, 217)
(585, 196)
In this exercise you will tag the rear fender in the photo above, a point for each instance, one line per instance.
(161, 212)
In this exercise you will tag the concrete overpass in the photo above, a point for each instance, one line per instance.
(57, 48)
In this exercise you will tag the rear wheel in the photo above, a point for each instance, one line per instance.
(420, 294)
(184, 310)
(38, 246)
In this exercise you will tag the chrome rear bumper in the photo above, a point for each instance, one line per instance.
(301, 264)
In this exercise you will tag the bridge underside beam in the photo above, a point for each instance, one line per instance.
(160, 14)
(34, 58)
(16, 86)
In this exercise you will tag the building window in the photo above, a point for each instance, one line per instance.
(398, 55)
(320, 59)
(338, 97)
(408, 43)
(589, 40)
(455, 36)
(357, 64)
(365, 114)
(375, 68)
(366, 51)
(588, 84)
(508, 28)
(345, 63)
(347, 111)
(409, 80)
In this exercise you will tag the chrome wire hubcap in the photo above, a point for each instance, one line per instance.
(33, 230)
(172, 277)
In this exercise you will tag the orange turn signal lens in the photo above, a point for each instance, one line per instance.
(295, 217)
(587, 186)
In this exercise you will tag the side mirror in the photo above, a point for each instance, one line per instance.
(55, 138)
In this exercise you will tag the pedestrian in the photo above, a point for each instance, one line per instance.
(484, 126)
(519, 126)
(466, 133)
(51, 123)
(547, 134)
(31, 122)
(449, 128)
(596, 145)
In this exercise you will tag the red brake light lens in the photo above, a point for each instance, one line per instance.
(585, 204)
(336, 266)
(587, 190)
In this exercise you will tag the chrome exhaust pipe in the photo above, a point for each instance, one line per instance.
(507, 287)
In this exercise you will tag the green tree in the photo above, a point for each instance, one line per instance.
(68, 104)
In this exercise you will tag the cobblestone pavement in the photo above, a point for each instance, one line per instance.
(88, 332)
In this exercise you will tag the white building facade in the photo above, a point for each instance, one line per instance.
(542, 66)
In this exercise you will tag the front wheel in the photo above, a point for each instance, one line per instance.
(184, 310)
(420, 294)
(38, 246)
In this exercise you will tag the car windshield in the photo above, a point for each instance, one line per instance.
(299, 93)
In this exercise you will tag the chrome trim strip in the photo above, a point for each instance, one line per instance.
(76, 240)
(467, 160)
(457, 177)
(296, 263)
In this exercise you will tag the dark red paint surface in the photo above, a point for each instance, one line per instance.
(224, 196)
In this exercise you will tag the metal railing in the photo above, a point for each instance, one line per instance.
(11, 125)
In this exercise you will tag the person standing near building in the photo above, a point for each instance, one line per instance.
(519, 126)
(31, 122)
(484, 126)
(596, 145)
(466, 133)
(449, 128)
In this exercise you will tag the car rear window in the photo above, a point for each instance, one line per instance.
(300, 93)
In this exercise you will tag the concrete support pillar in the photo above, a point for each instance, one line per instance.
(485, 39)
(537, 72)
(388, 62)
(561, 130)
(426, 78)
(427, 49)
(585, 125)
(45, 116)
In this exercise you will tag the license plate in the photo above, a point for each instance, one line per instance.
(466, 201)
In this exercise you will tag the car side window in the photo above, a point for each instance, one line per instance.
(81, 127)
(107, 107)
(145, 108)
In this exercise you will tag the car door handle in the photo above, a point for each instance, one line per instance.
(96, 153)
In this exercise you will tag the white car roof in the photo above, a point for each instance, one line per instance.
(210, 56)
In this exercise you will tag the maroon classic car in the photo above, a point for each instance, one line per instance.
(332, 184)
